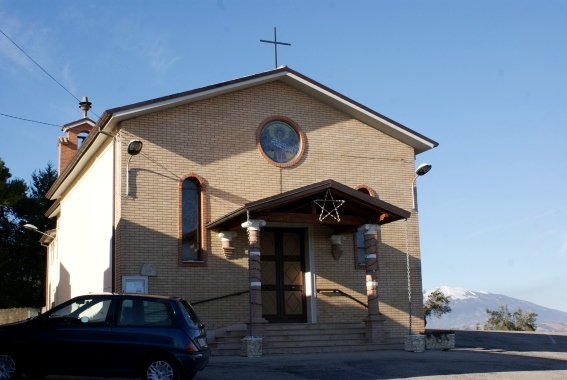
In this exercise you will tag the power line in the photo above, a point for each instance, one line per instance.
(38, 65)
(15, 44)
(33, 121)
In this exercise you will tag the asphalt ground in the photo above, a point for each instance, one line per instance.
(477, 355)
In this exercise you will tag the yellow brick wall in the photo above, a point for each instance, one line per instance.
(216, 139)
(338, 274)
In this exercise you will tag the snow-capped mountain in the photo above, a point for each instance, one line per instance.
(469, 310)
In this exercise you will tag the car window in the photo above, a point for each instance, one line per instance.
(84, 311)
(189, 315)
(137, 312)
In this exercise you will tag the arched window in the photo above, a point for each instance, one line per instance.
(191, 220)
(81, 137)
(366, 190)
(360, 250)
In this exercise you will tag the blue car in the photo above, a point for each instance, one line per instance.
(118, 335)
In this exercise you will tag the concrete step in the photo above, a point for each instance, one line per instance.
(340, 348)
(286, 343)
(314, 337)
(311, 326)
(334, 331)
(301, 338)
(314, 343)
(236, 349)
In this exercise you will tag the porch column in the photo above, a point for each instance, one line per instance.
(374, 321)
(255, 286)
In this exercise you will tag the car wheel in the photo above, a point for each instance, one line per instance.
(161, 368)
(8, 367)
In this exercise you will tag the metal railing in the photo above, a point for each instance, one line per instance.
(342, 294)
(220, 298)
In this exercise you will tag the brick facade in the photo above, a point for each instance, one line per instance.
(216, 140)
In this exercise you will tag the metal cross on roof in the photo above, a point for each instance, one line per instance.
(276, 43)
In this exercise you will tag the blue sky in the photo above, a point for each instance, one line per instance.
(486, 79)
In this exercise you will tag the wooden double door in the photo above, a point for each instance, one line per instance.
(283, 281)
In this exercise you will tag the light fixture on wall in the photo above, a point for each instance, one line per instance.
(134, 148)
(31, 227)
(421, 170)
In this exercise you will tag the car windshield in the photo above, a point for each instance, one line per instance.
(85, 310)
(190, 315)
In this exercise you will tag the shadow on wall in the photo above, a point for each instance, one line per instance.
(140, 245)
(224, 279)
(212, 118)
(395, 301)
(63, 288)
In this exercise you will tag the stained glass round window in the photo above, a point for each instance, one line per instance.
(280, 142)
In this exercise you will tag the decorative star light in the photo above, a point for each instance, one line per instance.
(335, 203)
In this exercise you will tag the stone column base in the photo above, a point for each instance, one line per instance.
(252, 346)
(374, 328)
(415, 343)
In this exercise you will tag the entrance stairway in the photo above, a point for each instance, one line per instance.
(299, 338)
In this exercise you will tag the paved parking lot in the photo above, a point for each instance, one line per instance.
(456, 364)
(478, 355)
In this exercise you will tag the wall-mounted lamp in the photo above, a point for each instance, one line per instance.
(421, 170)
(337, 246)
(31, 227)
(226, 239)
(134, 148)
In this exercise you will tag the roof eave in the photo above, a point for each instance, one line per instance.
(99, 134)
(346, 105)
(111, 119)
(302, 83)
(188, 97)
(394, 212)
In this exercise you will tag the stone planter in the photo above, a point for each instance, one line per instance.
(252, 346)
(439, 341)
(415, 343)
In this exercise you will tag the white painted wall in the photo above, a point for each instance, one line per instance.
(83, 252)
(52, 274)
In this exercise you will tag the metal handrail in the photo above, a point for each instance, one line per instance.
(342, 294)
(318, 291)
(221, 297)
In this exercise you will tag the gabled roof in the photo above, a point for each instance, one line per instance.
(298, 206)
(111, 119)
(74, 124)
(294, 79)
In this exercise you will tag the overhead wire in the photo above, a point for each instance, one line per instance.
(45, 71)
(33, 121)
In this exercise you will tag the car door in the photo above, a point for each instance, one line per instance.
(74, 337)
(142, 326)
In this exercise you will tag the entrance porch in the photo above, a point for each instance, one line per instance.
(294, 247)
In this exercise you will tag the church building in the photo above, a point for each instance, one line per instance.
(268, 200)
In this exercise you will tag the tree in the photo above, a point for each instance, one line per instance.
(22, 258)
(502, 319)
(436, 304)
(11, 191)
